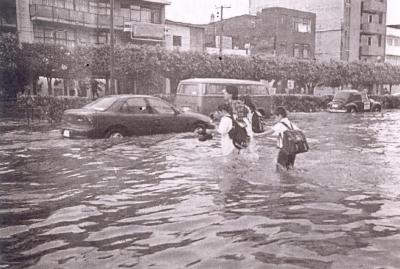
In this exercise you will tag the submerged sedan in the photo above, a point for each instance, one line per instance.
(119, 116)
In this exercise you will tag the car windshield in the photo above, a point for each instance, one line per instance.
(101, 104)
(341, 96)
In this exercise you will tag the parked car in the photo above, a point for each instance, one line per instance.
(126, 115)
(353, 101)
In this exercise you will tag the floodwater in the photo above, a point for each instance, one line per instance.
(170, 201)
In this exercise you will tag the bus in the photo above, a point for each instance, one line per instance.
(204, 95)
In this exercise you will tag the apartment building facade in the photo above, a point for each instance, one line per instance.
(345, 29)
(273, 31)
(393, 45)
(83, 22)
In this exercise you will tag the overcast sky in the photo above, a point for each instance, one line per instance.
(199, 11)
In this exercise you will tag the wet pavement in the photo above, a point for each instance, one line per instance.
(170, 201)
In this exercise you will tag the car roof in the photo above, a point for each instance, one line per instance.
(222, 81)
(131, 95)
(350, 91)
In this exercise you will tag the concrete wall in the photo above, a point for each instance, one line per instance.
(24, 23)
(177, 30)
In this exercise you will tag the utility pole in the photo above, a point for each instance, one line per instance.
(221, 27)
(112, 83)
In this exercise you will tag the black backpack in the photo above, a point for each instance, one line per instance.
(257, 123)
(239, 135)
(294, 141)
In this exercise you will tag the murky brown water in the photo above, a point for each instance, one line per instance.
(168, 201)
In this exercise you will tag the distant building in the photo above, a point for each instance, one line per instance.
(393, 45)
(184, 36)
(274, 31)
(345, 29)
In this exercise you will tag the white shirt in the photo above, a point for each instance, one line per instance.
(224, 127)
(280, 128)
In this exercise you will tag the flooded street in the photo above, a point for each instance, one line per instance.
(170, 201)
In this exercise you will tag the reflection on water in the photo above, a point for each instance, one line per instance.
(169, 201)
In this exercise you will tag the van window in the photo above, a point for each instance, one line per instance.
(189, 89)
(217, 89)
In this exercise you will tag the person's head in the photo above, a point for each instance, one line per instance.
(231, 93)
(248, 102)
(280, 112)
(225, 109)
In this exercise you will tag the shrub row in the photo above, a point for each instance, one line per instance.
(51, 108)
(301, 103)
(42, 107)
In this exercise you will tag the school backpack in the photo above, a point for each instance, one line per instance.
(257, 123)
(239, 135)
(293, 141)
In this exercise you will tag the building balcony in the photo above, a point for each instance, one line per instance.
(72, 17)
(372, 50)
(373, 28)
(374, 6)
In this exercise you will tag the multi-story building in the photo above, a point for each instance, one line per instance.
(83, 22)
(274, 31)
(393, 45)
(345, 29)
(77, 22)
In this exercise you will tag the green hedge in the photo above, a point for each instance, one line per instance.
(46, 107)
(300, 103)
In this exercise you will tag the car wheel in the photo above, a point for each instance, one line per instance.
(199, 128)
(116, 133)
(376, 109)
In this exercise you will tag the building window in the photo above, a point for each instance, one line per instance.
(301, 51)
(54, 36)
(380, 18)
(380, 40)
(145, 15)
(370, 18)
(81, 5)
(176, 41)
(296, 50)
(306, 52)
(104, 8)
(156, 16)
(135, 13)
(302, 25)
(369, 41)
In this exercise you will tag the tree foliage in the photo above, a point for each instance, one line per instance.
(146, 64)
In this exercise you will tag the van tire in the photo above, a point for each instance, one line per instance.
(352, 109)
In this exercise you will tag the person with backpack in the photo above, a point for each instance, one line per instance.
(240, 112)
(255, 117)
(224, 127)
(290, 139)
